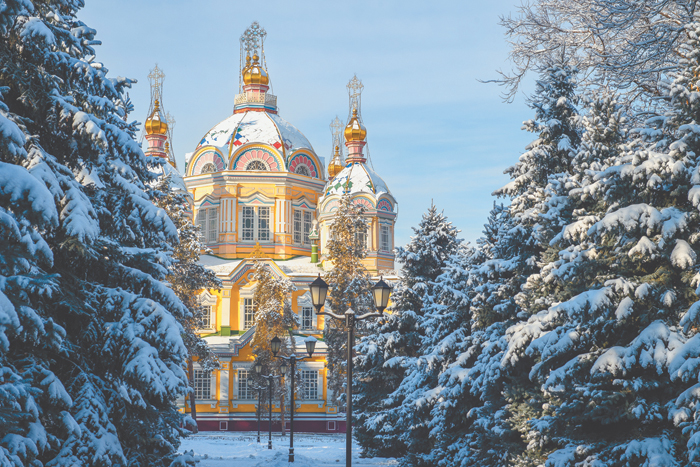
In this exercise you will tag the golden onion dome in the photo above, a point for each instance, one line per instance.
(254, 73)
(335, 165)
(354, 130)
(155, 124)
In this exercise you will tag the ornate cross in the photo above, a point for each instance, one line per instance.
(253, 38)
(155, 78)
(355, 88)
(336, 129)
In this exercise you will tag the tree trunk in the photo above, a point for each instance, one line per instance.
(193, 405)
(282, 420)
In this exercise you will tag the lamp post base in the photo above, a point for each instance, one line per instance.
(269, 444)
(291, 454)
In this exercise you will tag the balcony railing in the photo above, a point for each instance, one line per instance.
(250, 98)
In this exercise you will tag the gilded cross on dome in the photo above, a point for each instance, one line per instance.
(253, 38)
(155, 78)
(336, 130)
(355, 88)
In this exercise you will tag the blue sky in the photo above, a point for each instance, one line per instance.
(434, 131)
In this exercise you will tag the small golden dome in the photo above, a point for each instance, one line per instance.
(155, 124)
(354, 130)
(335, 165)
(254, 73)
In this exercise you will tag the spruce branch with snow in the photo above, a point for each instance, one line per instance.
(92, 353)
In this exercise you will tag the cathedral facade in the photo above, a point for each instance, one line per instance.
(258, 188)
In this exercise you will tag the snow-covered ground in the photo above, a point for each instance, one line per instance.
(236, 449)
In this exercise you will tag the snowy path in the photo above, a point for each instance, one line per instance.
(235, 449)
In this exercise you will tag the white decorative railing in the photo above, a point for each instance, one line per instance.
(250, 98)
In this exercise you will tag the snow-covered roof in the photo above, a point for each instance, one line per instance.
(298, 265)
(220, 266)
(359, 178)
(255, 127)
(176, 179)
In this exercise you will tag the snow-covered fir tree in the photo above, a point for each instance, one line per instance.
(392, 344)
(536, 211)
(349, 287)
(469, 425)
(615, 357)
(187, 277)
(446, 327)
(91, 353)
(273, 318)
(482, 413)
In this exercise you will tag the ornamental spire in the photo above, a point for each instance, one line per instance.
(253, 48)
(336, 163)
(355, 132)
(158, 127)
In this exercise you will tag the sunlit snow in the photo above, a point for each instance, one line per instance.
(227, 449)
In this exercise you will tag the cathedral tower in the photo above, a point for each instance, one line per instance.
(366, 188)
(254, 177)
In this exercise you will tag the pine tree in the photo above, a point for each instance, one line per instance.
(469, 425)
(91, 353)
(349, 288)
(187, 277)
(446, 327)
(393, 343)
(615, 359)
(273, 318)
(483, 410)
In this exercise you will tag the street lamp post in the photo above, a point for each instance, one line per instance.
(380, 293)
(269, 378)
(275, 345)
(259, 389)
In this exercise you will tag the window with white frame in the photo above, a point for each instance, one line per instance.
(244, 390)
(248, 313)
(310, 381)
(297, 226)
(302, 226)
(263, 223)
(207, 220)
(255, 223)
(202, 385)
(308, 220)
(307, 318)
(385, 238)
(361, 240)
(248, 219)
(205, 319)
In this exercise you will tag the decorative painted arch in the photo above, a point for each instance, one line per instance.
(331, 205)
(364, 202)
(385, 205)
(208, 156)
(259, 153)
(301, 159)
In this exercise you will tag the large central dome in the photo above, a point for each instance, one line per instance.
(255, 138)
(246, 137)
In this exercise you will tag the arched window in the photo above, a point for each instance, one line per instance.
(303, 170)
(256, 166)
(208, 168)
